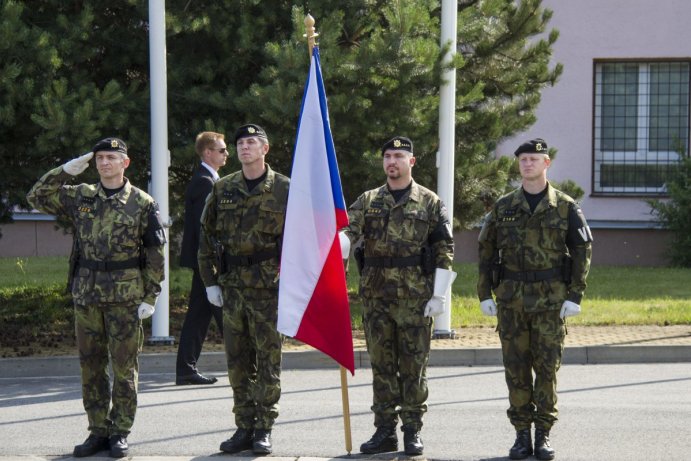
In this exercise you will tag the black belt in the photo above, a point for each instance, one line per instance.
(533, 276)
(108, 266)
(385, 261)
(248, 260)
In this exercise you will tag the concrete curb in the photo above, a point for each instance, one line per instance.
(312, 359)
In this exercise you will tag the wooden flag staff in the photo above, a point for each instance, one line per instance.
(311, 36)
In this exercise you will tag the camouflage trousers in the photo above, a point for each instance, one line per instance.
(531, 343)
(103, 331)
(253, 355)
(398, 342)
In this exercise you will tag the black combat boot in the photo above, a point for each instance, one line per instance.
(383, 440)
(92, 445)
(543, 450)
(262, 442)
(118, 446)
(241, 440)
(523, 446)
(412, 443)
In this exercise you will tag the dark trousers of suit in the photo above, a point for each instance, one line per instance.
(195, 327)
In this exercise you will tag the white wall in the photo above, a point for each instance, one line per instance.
(599, 29)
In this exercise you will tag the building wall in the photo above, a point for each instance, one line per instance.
(611, 247)
(33, 238)
(589, 30)
(617, 247)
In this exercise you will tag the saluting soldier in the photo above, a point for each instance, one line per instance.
(239, 249)
(535, 249)
(405, 261)
(115, 275)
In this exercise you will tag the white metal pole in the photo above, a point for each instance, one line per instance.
(160, 156)
(447, 132)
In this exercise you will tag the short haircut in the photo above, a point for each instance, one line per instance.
(206, 139)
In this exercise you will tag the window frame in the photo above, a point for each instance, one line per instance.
(642, 153)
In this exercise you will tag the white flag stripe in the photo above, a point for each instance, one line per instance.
(310, 221)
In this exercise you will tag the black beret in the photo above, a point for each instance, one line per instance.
(111, 144)
(534, 146)
(246, 131)
(398, 143)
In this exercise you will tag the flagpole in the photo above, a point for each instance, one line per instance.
(311, 35)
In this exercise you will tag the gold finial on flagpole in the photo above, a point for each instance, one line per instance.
(311, 33)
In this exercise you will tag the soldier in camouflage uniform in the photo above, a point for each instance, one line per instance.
(535, 249)
(239, 249)
(115, 277)
(406, 243)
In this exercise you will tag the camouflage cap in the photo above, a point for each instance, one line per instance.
(110, 144)
(398, 143)
(534, 146)
(246, 131)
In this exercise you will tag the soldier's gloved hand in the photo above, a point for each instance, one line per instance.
(145, 310)
(569, 309)
(215, 295)
(488, 307)
(77, 165)
(435, 306)
(345, 244)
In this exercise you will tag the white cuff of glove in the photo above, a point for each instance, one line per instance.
(569, 309)
(145, 310)
(488, 307)
(345, 244)
(215, 295)
(435, 306)
(77, 165)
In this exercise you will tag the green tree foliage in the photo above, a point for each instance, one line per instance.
(74, 71)
(675, 214)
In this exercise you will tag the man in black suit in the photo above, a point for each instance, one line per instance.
(212, 151)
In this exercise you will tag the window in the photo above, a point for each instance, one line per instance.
(641, 125)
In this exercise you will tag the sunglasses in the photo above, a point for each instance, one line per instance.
(223, 150)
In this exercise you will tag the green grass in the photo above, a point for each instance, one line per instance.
(615, 295)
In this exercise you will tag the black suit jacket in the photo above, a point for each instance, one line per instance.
(197, 190)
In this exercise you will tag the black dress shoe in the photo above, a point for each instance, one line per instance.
(196, 378)
(92, 445)
(523, 446)
(383, 440)
(241, 440)
(262, 442)
(118, 446)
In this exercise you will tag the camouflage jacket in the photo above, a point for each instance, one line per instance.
(529, 242)
(389, 229)
(116, 228)
(241, 223)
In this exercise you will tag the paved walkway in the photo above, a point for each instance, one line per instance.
(469, 347)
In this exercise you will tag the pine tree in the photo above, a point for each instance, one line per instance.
(72, 72)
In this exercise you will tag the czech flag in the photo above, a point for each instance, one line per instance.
(312, 295)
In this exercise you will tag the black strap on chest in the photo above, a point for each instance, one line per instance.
(248, 260)
(385, 261)
(533, 276)
(109, 266)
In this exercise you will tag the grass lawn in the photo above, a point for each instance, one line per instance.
(615, 295)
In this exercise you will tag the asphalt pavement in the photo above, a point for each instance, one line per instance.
(607, 412)
(625, 394)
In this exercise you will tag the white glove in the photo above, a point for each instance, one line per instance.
(488, 307)
(214, 295)
(435, 306)
(145, 310)
(443, 279)
(569, 309)
(345, 244)
(77, 165)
